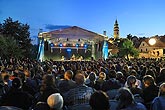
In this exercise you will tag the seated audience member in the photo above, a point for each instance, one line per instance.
(47, 88)
(67, 83)
(41, 106)
(80, 94)
(159, 102)
(150, 91)
(161, 76)
(111, 83)
(138, 82)
(99, 101)
(91, 80)
(133, 86)
(17, 97)
(55, 101)
(127, 102)
(100, 80)
(120, 77)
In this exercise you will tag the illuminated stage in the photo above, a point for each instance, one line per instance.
(68, 42)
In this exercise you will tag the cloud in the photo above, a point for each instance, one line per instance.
(141, 34)
(54, 27)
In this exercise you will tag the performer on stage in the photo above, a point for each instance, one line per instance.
(62, 58)
(73, 57)
(80, 58)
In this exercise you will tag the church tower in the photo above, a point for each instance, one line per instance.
(116, 30)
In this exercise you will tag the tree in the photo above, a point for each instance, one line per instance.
(129, 36)
(127, 49)
(9, 47)
(18, 32)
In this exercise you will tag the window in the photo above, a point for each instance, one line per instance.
(143, 44)
(141, 50)
(146, 50)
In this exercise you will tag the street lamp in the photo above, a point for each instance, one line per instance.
(152, 41)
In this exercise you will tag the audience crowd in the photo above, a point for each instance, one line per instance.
(114, 84)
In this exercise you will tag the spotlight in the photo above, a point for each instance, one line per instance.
(77, 45)
(60, 44)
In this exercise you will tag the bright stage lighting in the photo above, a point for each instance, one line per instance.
(60, 44)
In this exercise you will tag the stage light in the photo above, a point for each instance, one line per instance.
(60, 44)
(82, 45)
(64, 44)
(85, 45)
(68, 50)
(49, 41)
(77, 45)
(52, 45)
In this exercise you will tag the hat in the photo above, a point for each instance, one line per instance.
(55, 101)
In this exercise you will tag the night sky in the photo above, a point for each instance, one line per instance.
(136, 17)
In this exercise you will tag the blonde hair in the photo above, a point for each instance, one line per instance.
(102, 75)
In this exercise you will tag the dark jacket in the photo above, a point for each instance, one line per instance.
(17, 98)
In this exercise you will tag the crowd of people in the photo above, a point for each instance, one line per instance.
(113, 84)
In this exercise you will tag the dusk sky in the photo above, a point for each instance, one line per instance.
(136, 17)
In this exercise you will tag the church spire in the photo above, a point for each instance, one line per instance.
(116, 30)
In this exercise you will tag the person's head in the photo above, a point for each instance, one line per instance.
(48, 79)
(41, 106)
(125, 97)
(99, 101)
(162, 90)
(131, 80)
(151, 72)
(6, 77)
(68, 75)
(148, 80)
(27, 72)
(133, 72)
(162, 72)
(119, 74)
(102, 75)
(92, 76)
(55, 101)
(112, 74)
(79, 78)
(17, 83)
